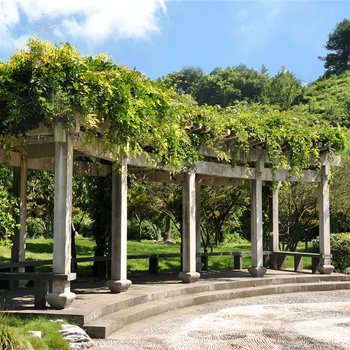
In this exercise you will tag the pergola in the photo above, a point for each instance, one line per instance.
(65, 151)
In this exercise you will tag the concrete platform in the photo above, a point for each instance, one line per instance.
(101, 313)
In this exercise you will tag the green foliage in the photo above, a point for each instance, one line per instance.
(224, 87)
(184, 81)
(338, 43)
(11, 339)
(50, 84)
(285, 90)
(298, 214)
(8, 205)
(340, 196)
(41, 186)
(51, 338)
(340, 248)
(55, 84)
(329, 98)
(221, 211)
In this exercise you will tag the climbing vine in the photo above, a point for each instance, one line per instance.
(49, 84)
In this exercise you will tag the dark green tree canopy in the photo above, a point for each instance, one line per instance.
(338, 60)
(184, 81)
(285, 90)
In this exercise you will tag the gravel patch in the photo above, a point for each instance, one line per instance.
(319, 320)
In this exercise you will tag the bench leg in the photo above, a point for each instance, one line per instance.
(237, 262)
(153, 265)
(266, 259)
(41, 289)
(273, 262)
(315, 262)
(204, 259)
(281, 262)
(298, 263)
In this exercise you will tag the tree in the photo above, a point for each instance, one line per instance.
(183, 81)
(298, 214)
(285, 90)
(221, 210)
(225, 86)
(338, 60)
(9, 206)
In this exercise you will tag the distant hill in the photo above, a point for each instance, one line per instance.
(330, 97)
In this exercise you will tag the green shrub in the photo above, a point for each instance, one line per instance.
(340, 249)
(51, 338)
(11, 339)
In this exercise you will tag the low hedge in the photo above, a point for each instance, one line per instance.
(340, 248)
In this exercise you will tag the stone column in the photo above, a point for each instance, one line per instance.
(20, 191)
(189, 274)
(325, 266)
(199, 264)
(61, 296)
(275, 219)
(274, 226)
(119, 264)
(257, 269)
(20, 233)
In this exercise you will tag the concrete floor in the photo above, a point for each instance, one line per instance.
(317, 320)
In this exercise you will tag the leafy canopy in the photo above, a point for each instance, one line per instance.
(50, 84)
(338, 60)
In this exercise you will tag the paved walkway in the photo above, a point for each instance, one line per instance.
(319, 320)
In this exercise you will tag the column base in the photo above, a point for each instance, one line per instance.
(118, 286)
(325, 269)
(60, 300)
(257, 271)
(189, 277)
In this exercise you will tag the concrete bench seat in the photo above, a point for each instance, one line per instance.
(41, 282)
(279, 259)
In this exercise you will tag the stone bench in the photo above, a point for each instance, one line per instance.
(41, 282)
(278, 260)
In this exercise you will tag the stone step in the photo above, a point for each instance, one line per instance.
(106, 325)
(133, 298)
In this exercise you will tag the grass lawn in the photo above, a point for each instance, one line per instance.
(41, 249)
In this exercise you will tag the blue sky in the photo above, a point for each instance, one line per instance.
(158, 36)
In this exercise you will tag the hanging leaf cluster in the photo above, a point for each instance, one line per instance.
(49, 84)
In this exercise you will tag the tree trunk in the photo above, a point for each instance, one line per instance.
(167, 231)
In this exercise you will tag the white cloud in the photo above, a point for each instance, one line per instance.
(91, 20)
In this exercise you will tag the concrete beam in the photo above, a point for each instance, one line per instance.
(224, 170)
(40, 150)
